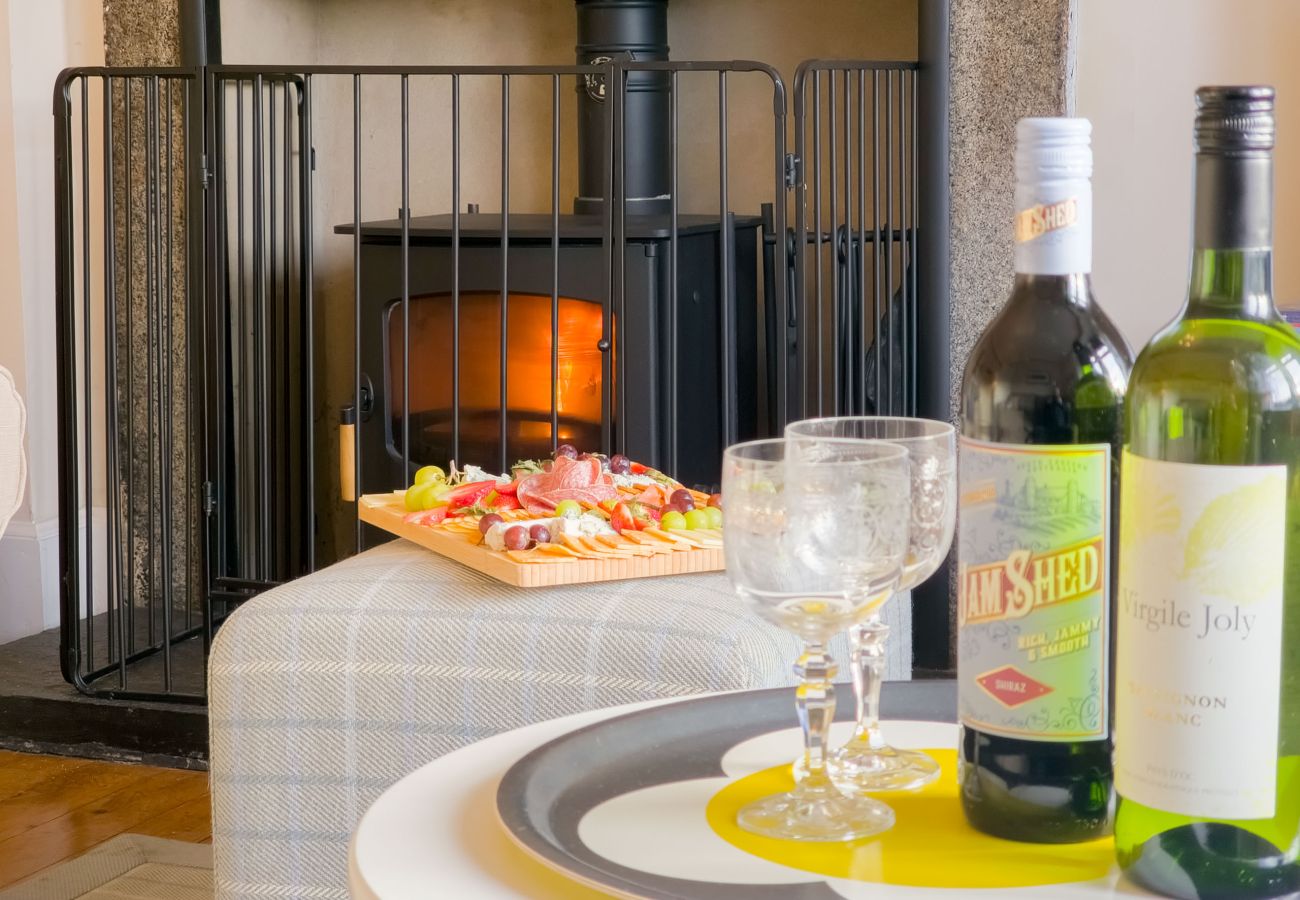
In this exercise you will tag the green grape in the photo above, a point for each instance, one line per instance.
(714, 516)
(570, 509)
(430, 473)
(696, 518)
(420, 496)
(673, 521)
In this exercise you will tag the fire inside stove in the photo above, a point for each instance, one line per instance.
(577, 394)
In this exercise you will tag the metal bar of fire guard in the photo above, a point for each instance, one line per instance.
(872, 342)
(817, 319)
(504, 411)
(356, 296)
(555, 261)
(306, 158)
(674, 207)
(875, 222)
(405, 214)
(607, 307)
(862, 226)
(113, 588)
(618, 247)
(128, 633)
(726, 234)
(455, 272)
(86, 343)
(213, 339)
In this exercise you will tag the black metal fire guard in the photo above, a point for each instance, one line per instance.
(198, 401)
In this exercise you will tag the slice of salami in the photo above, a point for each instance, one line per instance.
(567, 472)
(530, 487)
(569, 479)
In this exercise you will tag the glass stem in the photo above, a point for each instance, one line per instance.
(868, 674)
(815, 698)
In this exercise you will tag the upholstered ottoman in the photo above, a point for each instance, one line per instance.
(326, 690)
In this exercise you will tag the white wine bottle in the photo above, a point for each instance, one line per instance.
(1207, 705)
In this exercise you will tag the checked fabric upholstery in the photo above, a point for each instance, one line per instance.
(325, 691)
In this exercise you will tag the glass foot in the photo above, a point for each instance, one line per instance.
(816, 812)
(857, 769)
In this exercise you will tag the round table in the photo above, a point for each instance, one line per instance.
(436, 831)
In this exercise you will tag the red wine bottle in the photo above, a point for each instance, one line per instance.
(1042, 420)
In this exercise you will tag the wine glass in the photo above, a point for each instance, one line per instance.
(815, 538)
(866, 762)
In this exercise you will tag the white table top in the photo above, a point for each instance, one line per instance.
(438, 826)
(436, 832)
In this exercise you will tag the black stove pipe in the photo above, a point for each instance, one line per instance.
(636, 30)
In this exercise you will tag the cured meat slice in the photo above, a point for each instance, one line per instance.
(569, 479)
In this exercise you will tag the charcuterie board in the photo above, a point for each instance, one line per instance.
(387, 511)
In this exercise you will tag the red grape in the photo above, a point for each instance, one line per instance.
(565, 450)
(516, 538)
(683, 499)
(620, 464)
(715, 500)
(540, 533)
(487, 522)
(672, 506)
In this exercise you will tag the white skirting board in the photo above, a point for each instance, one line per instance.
(29, 573)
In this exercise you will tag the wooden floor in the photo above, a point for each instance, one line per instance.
(54, 808)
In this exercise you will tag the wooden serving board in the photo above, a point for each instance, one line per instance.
(386, 511)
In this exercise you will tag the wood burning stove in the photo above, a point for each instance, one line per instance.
(464, 418)
(492, 380)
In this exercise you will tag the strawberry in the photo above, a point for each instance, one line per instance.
(637, 468)
(505, 501)
(621, 519)
(509, 490)
(429, 517)
(643, 515)
(468, 494)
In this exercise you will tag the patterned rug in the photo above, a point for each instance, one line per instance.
(129, 867)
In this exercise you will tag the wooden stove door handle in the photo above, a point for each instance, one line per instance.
(347, 454)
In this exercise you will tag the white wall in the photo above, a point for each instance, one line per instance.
(1138, 66)
(38, 38)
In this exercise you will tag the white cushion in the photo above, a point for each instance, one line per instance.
(326, 690)
(13, 465)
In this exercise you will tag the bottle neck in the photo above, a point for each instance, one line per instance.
(1053, 227)
(1074, 288)
(1232, 283)
(1232, 239)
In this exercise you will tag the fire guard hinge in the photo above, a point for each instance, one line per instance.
(791, 170)
(209, 498)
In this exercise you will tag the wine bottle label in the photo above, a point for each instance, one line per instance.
(1033, 603)
(1199, 637)
(1053, 227)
